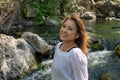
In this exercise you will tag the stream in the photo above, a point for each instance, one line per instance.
(102, 64)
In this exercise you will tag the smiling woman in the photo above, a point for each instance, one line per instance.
(70, 61)
(68, 32)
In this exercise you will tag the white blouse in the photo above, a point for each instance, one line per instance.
(70, 65)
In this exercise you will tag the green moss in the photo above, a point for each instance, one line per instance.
(117, 50)
(107, 76)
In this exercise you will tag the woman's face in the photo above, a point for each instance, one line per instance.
(68, 31)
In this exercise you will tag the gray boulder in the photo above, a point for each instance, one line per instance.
(36, 42)
(16, 57)
(88, 15)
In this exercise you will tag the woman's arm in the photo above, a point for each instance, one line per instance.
(78, 61)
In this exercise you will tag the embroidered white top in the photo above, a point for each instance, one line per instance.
(71, 65)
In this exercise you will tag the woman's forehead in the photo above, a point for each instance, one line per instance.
(70, 22)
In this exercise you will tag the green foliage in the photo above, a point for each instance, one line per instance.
(118, 1)
(44, 10)
(24, 10)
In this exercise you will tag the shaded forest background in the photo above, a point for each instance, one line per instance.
(35, 12)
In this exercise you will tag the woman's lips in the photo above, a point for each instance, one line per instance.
(63, 35)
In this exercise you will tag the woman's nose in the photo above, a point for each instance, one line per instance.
(64, 29)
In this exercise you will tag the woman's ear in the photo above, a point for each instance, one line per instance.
(77, 35)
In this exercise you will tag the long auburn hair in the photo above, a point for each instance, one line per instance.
(82, 41)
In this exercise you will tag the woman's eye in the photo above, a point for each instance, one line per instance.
(70, 29)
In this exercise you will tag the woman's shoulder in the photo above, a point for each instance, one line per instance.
(78, 55)
(77, 51)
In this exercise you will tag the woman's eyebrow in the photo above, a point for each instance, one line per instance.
(67, 26)
(70, 26)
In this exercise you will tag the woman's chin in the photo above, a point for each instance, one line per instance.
(62, 38)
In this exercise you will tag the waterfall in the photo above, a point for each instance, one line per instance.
(101, 63)
(44, 73)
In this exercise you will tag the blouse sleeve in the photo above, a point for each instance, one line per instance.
(78, 62)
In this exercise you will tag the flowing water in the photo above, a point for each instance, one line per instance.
(102, 63)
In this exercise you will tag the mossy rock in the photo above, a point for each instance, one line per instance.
(108, 76)
(117, 49)
(97, 45)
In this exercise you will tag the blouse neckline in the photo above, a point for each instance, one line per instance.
(67, 50)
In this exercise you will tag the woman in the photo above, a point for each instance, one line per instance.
(70, 62)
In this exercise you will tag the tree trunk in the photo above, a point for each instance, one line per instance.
(62, 8)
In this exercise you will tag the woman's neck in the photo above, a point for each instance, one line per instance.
(67, 45)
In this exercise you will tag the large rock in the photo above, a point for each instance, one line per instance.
(37, 42)
(88, 15)
(107, 6)
(51, 23)
(16, 57)
(109, 76)
(118, 15)
(117, 49)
